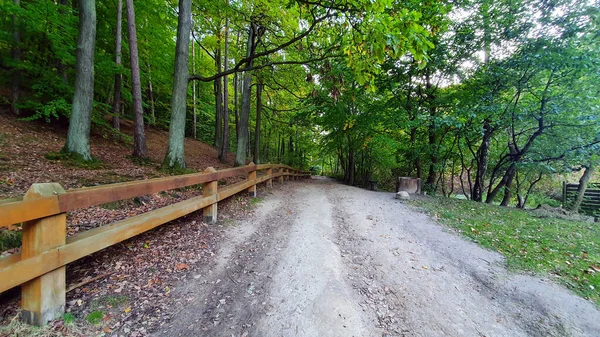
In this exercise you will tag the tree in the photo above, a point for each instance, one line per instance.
(118, 76)
(78, 137)
(588, 173)
(225, 139)
(259, 90)
(175, 156)
(139, 138)
(16, 55)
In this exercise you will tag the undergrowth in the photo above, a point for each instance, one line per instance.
(9, 239)
(565, 249)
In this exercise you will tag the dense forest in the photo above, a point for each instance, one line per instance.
(486, 99)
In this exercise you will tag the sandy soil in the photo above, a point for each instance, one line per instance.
(324, 259)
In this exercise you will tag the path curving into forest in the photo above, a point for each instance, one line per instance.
(323, 259)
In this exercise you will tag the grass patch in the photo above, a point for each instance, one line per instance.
(256, 200)
(71, 159)
(94, 317)
(16, 328)
(69, 318)
(10, 239)
(108, 302)
(569, 250)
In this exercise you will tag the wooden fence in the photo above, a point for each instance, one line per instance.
(591, 199)
(40, 266)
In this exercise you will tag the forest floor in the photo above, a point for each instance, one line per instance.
(133, 279)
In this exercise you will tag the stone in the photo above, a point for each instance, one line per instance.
(403, 195)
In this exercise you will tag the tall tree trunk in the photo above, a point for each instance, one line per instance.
(483, 154)
(583, 184)
(218, 85)
(259, 89)
(16, 56)
(194, 113)
(61, 67)
(506, 180)
(351, 163)
(243, 137)
(236, 105)
(139, 137)
(151, 96)
(508, 187)
(175, 156)
(225, 141)
(78, 136)
(116, 108)
(431, 177)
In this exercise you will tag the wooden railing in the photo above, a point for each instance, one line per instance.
(40, 266)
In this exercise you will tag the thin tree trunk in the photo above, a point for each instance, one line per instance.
(225, 141)
(16, 56)
(243, 137)
(259, 89)
(78, 137)
(116, 108)
(139, 137)
(175, 156)
(482, 162)
(505, 182)
(235, 103)
(151, 96)
(61, 67)
(583, 184)
(508, 186)
(194, 113)
(218, 85)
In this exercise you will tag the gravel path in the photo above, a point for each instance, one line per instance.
(324, 259)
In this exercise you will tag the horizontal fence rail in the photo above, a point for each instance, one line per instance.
(40, 266)
(591, 198)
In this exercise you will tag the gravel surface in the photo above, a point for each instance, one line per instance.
(322, 259)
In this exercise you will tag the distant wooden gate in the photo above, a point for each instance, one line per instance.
(591, 198)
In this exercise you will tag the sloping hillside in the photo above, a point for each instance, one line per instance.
(25, 145)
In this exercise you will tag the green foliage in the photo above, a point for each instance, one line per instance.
(10, 239)
(69, 318)
(568, 251)
(94, 317)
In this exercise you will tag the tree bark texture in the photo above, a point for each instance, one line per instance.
(16, 56)
(218, 85)
(243, 137)
(139, 137)
(259, 89)
(116, 108)
(78, 137)
(175, 156)
(583, 184)
(225, 137)
(483, 154)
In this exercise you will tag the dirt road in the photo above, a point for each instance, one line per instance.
(324, 259)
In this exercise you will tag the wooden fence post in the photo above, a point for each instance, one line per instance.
(43, 298)
(280, 170)
(208, 189)
(270, 181)
(252, 176)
